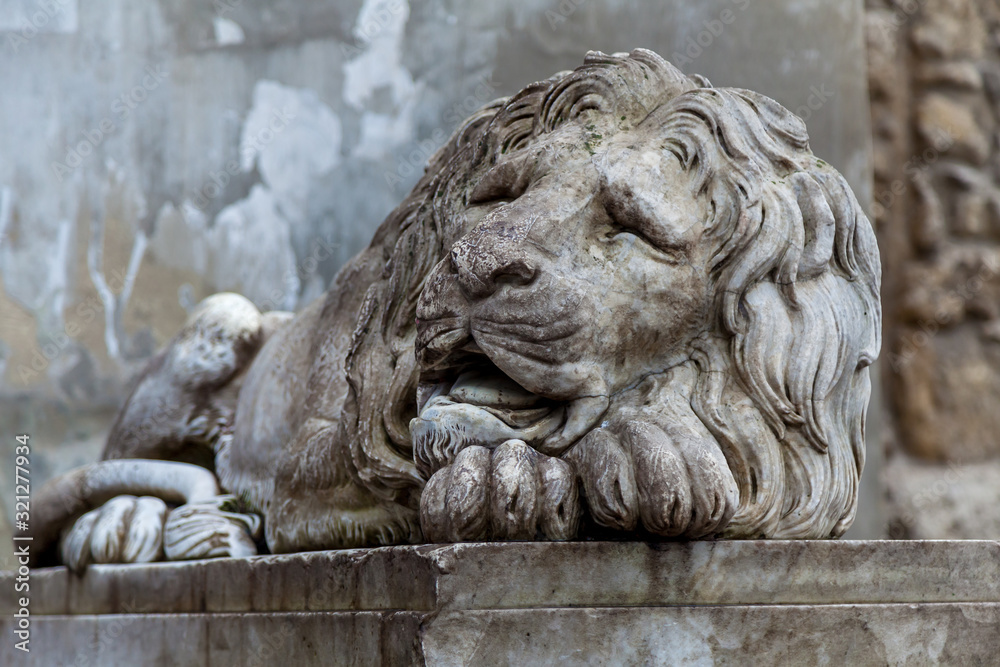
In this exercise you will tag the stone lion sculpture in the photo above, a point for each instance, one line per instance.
(619, 303)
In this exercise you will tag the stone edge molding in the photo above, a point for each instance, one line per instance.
(877, 602)
(526, 575)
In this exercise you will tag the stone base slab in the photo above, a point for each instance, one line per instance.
(763, 602)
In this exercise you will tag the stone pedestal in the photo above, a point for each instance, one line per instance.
(856, 603)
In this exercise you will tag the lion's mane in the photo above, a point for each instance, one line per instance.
(797, 282)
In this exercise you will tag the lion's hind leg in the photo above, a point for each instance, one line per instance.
(120, 512)
(344, 518)
(318, 501)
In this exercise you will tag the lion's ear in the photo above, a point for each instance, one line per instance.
(818, 223)
(702, 81)
(778, 121)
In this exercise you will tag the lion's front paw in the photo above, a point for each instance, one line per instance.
(210, 530)
(126, 529)
(672, 479)
(509, 493)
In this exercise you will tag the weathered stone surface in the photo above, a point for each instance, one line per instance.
(940, 634)
(531, 603)
(953, 501)
(622, 301)
(531, 575)
(738, 635)
(151, 194)
(229, 640)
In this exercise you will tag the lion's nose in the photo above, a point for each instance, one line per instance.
(481, 272)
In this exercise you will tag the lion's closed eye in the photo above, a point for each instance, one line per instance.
(625, 224)
(624, 232)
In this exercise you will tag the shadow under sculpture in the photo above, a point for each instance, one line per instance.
(621, 303)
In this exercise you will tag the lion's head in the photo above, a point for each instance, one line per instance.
(621, 248)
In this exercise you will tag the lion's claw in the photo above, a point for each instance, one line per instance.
(127, 529)
(468, 493)
(514, 492)
(511, 493)
(209, 530)
(608, 483)
(674, 479)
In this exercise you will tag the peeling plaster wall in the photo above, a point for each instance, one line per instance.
(157, 152)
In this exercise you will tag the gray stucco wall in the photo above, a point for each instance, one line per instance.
(157, 152)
